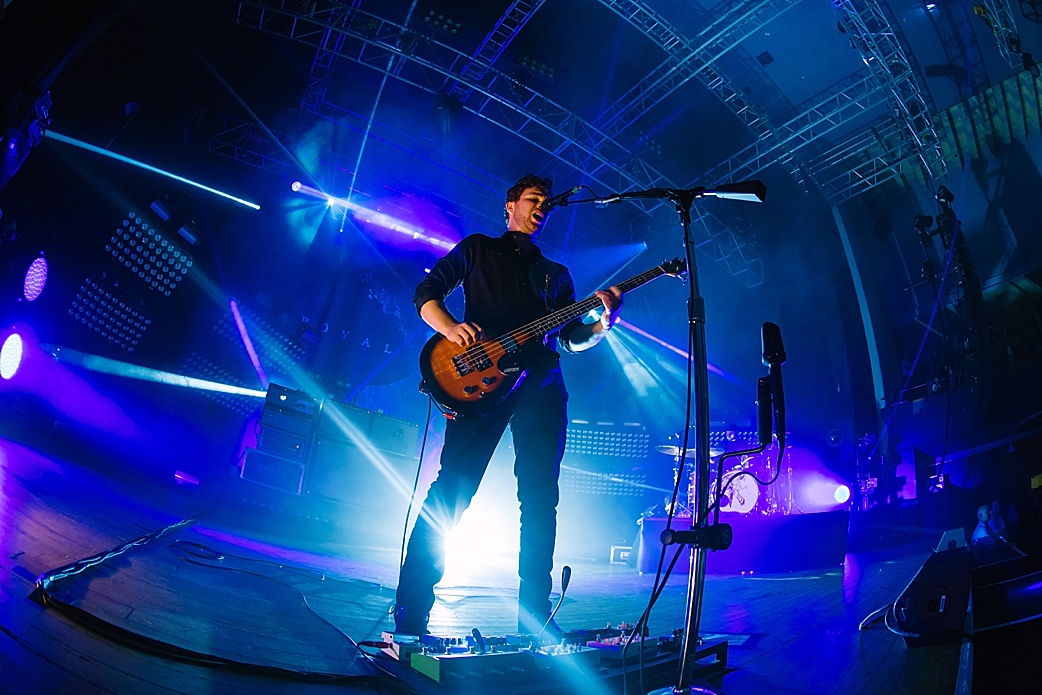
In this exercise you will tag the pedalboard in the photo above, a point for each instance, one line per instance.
(447, 660)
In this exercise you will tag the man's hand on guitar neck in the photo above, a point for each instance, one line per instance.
(612, 300)
(439, 318)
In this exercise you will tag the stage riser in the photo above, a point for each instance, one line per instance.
(775, 543)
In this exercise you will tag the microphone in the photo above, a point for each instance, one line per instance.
(559, 200)
(774, 358)
(747, 191)
(715, 537)
(764, 406)
(479, 641)
(566, 577)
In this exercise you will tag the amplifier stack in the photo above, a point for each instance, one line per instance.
(306, 446)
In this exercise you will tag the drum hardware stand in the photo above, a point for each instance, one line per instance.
(788, 496)
(750, 191)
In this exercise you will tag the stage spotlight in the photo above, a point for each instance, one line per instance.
(35, 279)
(10, 356)
(842, 494)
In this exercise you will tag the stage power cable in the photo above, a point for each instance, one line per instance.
(42, 594)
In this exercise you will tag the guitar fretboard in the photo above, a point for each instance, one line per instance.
(560, 317)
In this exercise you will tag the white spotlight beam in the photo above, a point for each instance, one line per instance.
(147, 167)
(104, 365)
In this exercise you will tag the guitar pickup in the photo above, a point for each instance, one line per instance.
(481, 359)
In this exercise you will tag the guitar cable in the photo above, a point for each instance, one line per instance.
(415, 486)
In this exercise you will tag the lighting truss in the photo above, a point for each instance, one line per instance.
(999, 17)
(318, 78)
(687, 59)
(873, 37)
(426, 64)
(868, 159)
(726, 248)
(505, 30)
(243, 141)
(857, 97)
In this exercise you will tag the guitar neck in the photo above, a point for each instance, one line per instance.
(556, 319)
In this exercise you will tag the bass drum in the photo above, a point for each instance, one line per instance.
(741, 495)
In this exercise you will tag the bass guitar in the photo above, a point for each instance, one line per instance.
(473, 380)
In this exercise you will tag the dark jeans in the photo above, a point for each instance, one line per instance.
(537, 415)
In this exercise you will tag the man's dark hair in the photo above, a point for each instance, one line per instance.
(529, 181)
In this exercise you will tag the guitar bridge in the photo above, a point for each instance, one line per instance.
(474, 359)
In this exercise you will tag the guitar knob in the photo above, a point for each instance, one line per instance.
(488, 380)
(469, 389)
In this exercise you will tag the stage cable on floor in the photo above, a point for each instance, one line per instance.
(44, 581)
(198, 554)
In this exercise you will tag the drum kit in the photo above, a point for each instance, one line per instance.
(741, 494)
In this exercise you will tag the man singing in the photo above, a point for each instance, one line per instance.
(507, 282)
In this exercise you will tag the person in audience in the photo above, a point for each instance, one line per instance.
(984, 536)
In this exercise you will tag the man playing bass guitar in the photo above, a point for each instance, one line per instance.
(506, 283)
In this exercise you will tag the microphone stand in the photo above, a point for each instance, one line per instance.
(752, 191)
(683, 200)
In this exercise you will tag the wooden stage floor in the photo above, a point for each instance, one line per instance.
(169, 590)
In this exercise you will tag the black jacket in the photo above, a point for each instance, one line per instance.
(507, 282)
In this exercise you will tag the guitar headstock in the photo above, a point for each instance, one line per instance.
(674, 267)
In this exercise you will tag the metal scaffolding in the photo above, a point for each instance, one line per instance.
(999, 17)
(871, 34)
(686, 59)
(426, 64)
(505, 30)
(902, 136)
(858, 97)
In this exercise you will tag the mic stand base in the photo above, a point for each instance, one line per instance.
(689, 690)
(711, 658)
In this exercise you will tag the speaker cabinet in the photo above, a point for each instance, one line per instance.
(342, 472)
(273, 471)
(932, 610)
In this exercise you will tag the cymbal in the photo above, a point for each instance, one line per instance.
(674, 451)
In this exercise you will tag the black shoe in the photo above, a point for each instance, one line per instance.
(407, 622)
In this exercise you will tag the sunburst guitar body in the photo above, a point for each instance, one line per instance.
(472, 380)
